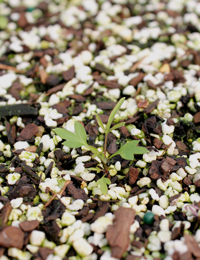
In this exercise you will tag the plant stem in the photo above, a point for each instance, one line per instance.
(105, 144)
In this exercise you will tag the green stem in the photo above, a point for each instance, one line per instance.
(105, 144)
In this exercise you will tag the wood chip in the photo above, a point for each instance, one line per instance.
(137, 79)
(136, 65)
(76, 193)
(44, 252)
(102, 68)
(77, 97)
(151, 107)
(43, 76)
(69, 74)
(154, 170)
(192, 245)
(55, 89)
(29, 225)
(29, 131)
(12, 237)
(5, 213)
(197, 118)
(132, 175)
(6, 67)
(11, 132)
(118, 233)
(106, 105)
(103, 207)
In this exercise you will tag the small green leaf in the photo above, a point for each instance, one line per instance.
(100, 123)
(113, 113)
(117, 126)
(128, 150)
(73, 140)
(98, 170)
(103, 184)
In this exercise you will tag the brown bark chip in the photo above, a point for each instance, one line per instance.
(151, 107)
(157, 143)
(137, 79)
(154, 170)
(77, 193)
(181, 146)
(197, 118)
(118, 233)
(106, 105)
(45, 252)
(28, 226)
(29, 131)
(165, 167)
(132, 257)
(12, 237)
(192, 245)
(11, 132)
(103, 207)
(132, 175)
(4, 215)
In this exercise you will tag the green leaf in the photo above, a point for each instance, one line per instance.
(98, 170)
(128, 150)
(117, 126)
(103, 184)
(100, 123)
(73, 140)
(112, 114)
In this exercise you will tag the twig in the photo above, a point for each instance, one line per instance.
(6, 67)
(136, 65)
(57, 194)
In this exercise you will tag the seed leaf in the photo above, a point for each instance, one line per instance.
(74, 140)
(117, 126)
(128, 150)
(113, 113)
(103, 184)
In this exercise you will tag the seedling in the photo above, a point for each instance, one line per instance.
(79, 139)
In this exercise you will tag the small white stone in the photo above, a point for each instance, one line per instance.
(15, 203)
(45, 140)
(115, 93)
(133, 200)
(164, 236)
(79, 168)
(61, 250)
(51, 123)
(76, 235)
(12, 178)
(37, 237)
(190, 170)
(129, 90)
(134, 227)
(76, 205)
(157, 210)
(143, 182)
(164, 202)
(101, 224)
(67, 219)
(21, 145)
(153, 194)
(66, 201)
(82, 247)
